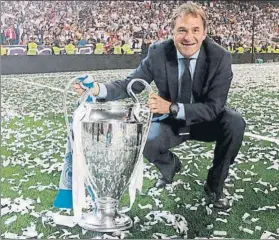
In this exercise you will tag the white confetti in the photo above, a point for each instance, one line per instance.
(229, 185)
(177, 199)
(269, 235)
(193, 208)
(136, 220)
(247, 230)
(223, 213)
(257, 190)
(30, 232)
(239, 190)
(221, 220)
(208, 210)
(261, 122)
(258, 228)
(262, 182)
(246, 179)
(246, 215)
(265, 208)
(158, 202)
(147, 206)
(5, 211)
(254, 219)
(11, 220)
(210, 226)
(220, 233)
(9, 235)
(40, 235)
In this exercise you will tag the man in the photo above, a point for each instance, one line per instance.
(125, 48)
(145, 45)
(100, 47)
(10, 34)
(56, 50)
(193, 76)
(32, 47)
(3, 50)
(117, 47)
(70, 48)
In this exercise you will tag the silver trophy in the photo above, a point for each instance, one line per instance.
(113, 136)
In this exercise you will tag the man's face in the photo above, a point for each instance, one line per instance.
(188, 34)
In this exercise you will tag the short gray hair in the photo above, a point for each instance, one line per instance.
(188, 8)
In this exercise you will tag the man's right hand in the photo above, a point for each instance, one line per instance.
(78, 89)
(84, 83)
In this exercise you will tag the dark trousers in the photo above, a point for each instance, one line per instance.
(226, 130)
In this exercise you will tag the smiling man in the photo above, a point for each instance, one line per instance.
(189, 30)
(193, 76)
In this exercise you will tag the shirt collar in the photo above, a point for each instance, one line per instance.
(194, 56)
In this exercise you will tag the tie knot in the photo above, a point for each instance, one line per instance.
(186, 61)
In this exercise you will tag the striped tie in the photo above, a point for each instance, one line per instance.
(186, 83)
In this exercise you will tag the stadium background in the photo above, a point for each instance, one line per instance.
(127, 27)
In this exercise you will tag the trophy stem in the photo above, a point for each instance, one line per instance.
(105, 218)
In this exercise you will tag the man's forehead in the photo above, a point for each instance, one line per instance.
(196, 23)
(194, 15)
(188, 25)
(189, 15)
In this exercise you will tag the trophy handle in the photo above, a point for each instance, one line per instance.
(130, 91)
(138, 108)
(136, 112)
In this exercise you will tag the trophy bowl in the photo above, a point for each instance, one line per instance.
(113, 138)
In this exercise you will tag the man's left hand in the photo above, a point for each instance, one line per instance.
(158, 104)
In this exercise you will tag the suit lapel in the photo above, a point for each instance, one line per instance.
(172, 70)
(200, 71)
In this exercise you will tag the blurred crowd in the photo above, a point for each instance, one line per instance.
(133, 24)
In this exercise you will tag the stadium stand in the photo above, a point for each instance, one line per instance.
(136, 26)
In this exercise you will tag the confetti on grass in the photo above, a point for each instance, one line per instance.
(32, 149)
(220, 233)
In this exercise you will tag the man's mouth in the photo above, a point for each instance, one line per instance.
(188, 44)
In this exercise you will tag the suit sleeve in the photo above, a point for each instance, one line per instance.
(118, 89)
(216, 96)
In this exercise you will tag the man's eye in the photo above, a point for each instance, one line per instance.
(196, 30)
(181, 30)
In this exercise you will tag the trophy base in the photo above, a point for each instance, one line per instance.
(92, 222)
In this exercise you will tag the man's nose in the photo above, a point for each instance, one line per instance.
(187, 36)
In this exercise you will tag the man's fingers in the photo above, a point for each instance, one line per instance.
(79, 93)
(152, 101)
(78, 89)
(153, 96)
(157, 104)
(153, 107)
(77, 86)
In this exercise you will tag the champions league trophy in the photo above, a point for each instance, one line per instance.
(113, 136)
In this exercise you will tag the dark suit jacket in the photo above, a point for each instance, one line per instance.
(211, 83)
